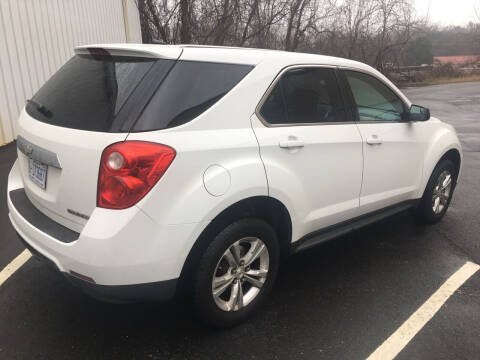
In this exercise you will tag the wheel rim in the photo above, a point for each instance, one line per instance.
(240, 274)
(441, 192)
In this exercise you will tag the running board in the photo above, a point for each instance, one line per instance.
(348, 226)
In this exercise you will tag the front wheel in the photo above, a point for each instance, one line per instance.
(236, 273)
(438, 193)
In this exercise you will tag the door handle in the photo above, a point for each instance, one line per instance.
(291, 144)
(374, 140)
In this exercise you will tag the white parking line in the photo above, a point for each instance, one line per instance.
(402, 336)
(14, 265)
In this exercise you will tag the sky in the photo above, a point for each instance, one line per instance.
(448, 12)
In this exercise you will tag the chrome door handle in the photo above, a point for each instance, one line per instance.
(374, 140)
(290, 144)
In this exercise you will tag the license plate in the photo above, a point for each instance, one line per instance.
(37, 172)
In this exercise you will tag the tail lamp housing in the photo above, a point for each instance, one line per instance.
(129, 170)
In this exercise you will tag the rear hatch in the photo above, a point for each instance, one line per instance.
(90, 103)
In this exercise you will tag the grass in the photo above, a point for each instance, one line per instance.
(441, 80)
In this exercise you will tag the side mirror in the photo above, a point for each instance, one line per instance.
(418, 113)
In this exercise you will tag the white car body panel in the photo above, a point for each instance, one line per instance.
(115, 247)
(317, 188)
(442, 138)
(392, 170)
(234, 150)
(223, 156)
(67, 188)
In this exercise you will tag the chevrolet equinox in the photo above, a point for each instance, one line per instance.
(146, 170)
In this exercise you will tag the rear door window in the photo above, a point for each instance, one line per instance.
(305, 96)
(190, 88)
(90, 91)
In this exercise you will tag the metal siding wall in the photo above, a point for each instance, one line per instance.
(38, 36)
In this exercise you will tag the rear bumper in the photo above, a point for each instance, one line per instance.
(157, 291)
(42, 222)
(127, 255)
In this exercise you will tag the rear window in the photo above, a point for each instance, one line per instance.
(115, 93)
(90, 92)
(190, 88)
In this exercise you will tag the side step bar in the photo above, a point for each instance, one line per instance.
(348, 226)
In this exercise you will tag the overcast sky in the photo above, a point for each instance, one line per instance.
(448, 12)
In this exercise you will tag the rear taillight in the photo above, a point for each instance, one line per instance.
(129, 170)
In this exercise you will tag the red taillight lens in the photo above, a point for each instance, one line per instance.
(129, 170)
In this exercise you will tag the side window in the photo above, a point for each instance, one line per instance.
(302, 96)
(189, 89)
(375, 100)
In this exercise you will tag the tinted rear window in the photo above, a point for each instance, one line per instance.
(90, 92)
(189, 89)
(115, 93)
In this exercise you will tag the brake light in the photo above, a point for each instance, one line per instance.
(129, 170)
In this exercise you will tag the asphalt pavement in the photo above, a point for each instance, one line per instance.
(340, 300)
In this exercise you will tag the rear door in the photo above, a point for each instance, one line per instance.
(393, 147)
(90, 103)
(311, 149)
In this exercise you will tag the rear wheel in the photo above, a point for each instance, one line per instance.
(236, 273)
(439, 192)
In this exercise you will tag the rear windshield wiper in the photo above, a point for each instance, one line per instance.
(40, 108)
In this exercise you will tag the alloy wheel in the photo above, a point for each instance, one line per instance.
(441, 192)
(240, 274)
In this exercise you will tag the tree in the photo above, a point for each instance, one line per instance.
(372, 31)
(396, 26)
(185, 9)
(419, 51)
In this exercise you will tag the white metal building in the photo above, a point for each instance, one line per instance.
(38, 36)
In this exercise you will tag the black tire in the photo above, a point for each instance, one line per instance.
(204, 303)
(425, 211)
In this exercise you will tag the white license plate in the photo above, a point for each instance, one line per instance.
(37, 172)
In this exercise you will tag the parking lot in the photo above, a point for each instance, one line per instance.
(340, 300)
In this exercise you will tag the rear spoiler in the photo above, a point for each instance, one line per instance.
(135, 50)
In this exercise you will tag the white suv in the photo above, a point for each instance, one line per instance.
(146, 170)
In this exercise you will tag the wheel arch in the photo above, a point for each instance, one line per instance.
(453, 153)
(266, 208)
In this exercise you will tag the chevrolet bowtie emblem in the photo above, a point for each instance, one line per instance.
(28, 149)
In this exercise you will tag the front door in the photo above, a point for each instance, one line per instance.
(393, 147)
